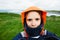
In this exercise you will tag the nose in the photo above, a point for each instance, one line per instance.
(33, 23)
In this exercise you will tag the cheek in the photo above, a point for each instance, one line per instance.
(28, 23)
(38, 22)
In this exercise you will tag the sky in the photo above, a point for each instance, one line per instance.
(17, 5)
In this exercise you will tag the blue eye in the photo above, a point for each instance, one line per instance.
(29, 19)
(37, 19)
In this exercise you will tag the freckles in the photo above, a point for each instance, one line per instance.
(38, 22)
(28, 23)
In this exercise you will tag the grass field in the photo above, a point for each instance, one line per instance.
(10, 25)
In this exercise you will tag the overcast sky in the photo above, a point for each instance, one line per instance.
(23, 4)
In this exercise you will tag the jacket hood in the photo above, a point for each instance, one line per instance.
(34, 8)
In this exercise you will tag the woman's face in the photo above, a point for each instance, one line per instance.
(33, 19)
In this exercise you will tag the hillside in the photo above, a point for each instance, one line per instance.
(10, 25)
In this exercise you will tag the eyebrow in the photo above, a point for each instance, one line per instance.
(35, 18)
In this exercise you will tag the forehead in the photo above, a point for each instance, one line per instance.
(33, 15)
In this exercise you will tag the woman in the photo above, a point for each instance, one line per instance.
(33, 20)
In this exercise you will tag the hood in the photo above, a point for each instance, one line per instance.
(43, 17)
(34, 8)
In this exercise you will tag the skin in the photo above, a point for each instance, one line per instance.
(33, 19)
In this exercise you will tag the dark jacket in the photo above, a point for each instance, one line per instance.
(47, 36)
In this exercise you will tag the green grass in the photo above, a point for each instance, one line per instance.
(53, 25)
(10, 25)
